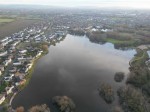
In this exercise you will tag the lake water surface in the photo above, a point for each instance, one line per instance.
(75, 67)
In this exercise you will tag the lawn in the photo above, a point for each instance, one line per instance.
(6, 20)
(140, 57)
(2, 87)
(115, 41)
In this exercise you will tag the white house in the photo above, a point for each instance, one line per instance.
(13, 69)
(6, 62)
(39, 53)
(17, 63)
(29, 66)
(21, 58)
(9, 89)
(2, 68)
(3, 53)
(15, 43)
(1, 47)
(106, 30)
(23, 51)
(9, 60)
(0, 72)
(5, 41)
(2, 98)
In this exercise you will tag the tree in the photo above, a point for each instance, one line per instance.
(20, 109)
(45, 47)
(40, 108)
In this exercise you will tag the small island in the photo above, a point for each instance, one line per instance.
(37, 108)
(119, 76)
(106, 92)
(64, 103)
(131, 99)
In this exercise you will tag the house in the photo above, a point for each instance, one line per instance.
(7, 61)
(4, 41)
(29, 66)
(29, 58)
(3, 53)
(22, 82)
(2, 98)
(106, 30)
(18, 37)
(9, 89)
(17, 63)
(0, 72)
(22, 69)
(59, 33)
(38, 40)
(13, 70)
(51, 36)
(10, 56)
(15, 43)
(23, 51)
(2, 68)
(39, 53)
(8, 77)
(20, 75)
(1, 47)
(94, 29)
(21, 58)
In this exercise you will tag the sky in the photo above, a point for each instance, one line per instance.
(145, 4)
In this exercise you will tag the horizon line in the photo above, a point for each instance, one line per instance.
(96, 6)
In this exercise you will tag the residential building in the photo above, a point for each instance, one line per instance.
(2, 98)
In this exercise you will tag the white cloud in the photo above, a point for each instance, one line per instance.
(98, 3)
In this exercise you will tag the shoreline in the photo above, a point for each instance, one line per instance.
(29, 75)
(27, 78)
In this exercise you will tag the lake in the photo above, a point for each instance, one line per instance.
(75, 67)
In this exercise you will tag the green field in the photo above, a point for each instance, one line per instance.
(115, 41)
(7, 20)
(140, 57)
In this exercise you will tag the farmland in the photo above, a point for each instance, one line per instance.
(14, 26)
(6, 20)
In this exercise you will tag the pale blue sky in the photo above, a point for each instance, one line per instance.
(72, 3)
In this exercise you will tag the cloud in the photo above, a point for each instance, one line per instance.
(98, 3)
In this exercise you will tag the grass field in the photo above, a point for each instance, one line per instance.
(115, 41)
(3, 20)
(15, 26)
(140, 57)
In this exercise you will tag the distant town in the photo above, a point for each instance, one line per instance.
(27, 34)
(18, 53)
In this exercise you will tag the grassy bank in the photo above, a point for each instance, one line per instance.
(140, 58)
(115, 41)
(136, 97)
(29, 75)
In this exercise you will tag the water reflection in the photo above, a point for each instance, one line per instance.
(74, 68)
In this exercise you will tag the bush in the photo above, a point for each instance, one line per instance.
(131, 99)
(64, 103)
(119, 76)
(37, 108)
(139, 77)
(146, 89)
(106, 92)
(117, 109)
(40, 108)
(78, 32)
(20, 109)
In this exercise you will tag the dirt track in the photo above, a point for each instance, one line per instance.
(10, 28)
